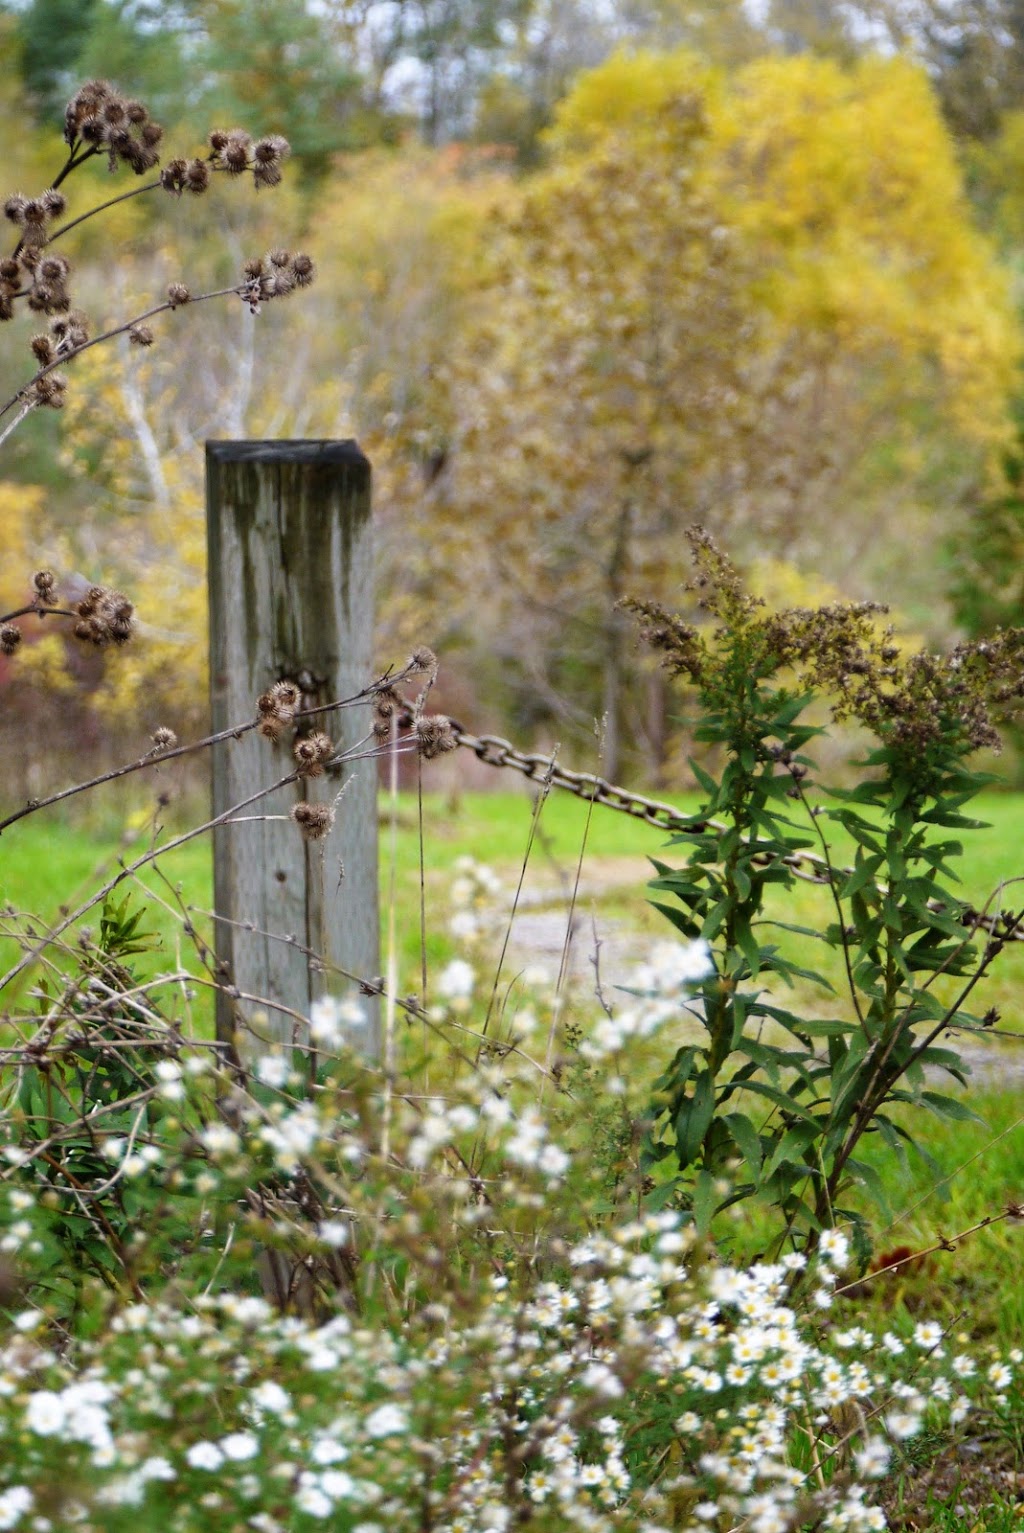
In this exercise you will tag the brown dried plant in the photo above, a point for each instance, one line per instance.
(99, 120)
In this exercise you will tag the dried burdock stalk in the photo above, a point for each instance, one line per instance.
(99, 120)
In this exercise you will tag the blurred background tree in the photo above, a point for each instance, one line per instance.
(589, 273)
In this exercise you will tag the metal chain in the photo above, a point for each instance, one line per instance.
(1002, 926)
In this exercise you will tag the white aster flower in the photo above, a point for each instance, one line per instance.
(873, 1459)
(273, 1070)
(204, 1455)
(385, 1421)
(455, 984)
(834, 1247)
(46, 1413)
(239, 1446)
(14, 1503)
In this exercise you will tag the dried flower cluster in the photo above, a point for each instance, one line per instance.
(276, 708)
(312, 753)
(236, 152)
(314, 820)
(274, 276)
(393, 713)
(921, 705)
(99, 117)
(99, 120)
(105, 617)
(41, 280)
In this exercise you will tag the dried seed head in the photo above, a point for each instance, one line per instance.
(177, 294)
(51, 390)
(286, 696)
(10, 638)
(235, 157)
(197, 176)
(271, 150)
(14, 209)
(277, 708)
(42, 349)
(53, 268)
(44, 582)
(107, 617)
(172, 177)
(164, 739)
(422, 662)
(55, 202)
(314, 820)
(140, 335)
(435, 735)
(218, 140)
(312, 753)
(303, 270)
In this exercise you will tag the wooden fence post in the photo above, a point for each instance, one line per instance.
(291, 597)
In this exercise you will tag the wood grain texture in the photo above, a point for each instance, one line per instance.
(291, 596)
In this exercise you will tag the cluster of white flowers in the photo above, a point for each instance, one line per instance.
(332, 1021)
(520, 1397)
(661, 988)
(455, 985)
(474, 895)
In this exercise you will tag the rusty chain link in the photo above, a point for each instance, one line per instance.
(1001, 926)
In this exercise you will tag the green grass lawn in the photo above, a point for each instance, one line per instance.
(49, 863)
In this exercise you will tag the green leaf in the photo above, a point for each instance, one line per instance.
(873, 1182)
(790, 709)
(950, 1107)
(863, 873)
(705, 779)
(746, 1139)
(780, 1098)
(705, 1202)
(693, 1118)
(679, 919)
(792, 1148)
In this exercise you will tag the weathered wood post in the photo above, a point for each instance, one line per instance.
(290, 590)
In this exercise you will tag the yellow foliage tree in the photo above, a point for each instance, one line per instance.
(752, 300)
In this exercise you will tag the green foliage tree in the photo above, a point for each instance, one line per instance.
(51, 37)
(278, 62)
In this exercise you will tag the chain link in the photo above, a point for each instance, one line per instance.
(1001, 926)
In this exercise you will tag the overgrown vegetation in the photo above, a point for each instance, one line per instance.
(496, 1279)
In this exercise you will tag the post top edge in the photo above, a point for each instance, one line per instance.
(285, 451)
